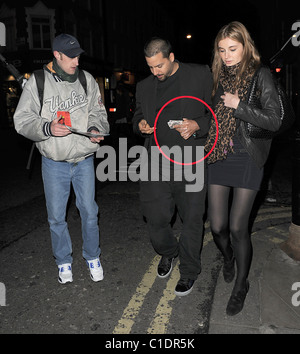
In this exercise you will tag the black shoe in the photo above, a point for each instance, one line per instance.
(184, 287)
(236, 301)
(229, 270)
(164, 267)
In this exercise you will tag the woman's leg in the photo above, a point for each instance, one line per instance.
(218, 210)
(242, 204)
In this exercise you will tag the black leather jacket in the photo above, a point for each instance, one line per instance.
(268, 117)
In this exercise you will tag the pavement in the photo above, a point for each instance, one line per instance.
(272, 305)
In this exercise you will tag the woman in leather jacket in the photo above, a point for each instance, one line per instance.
(236, 161)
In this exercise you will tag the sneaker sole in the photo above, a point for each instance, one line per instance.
(179, 293)
(166, 275)
(97, 279)
(64, 282)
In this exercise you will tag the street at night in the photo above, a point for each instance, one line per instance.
(132, 299)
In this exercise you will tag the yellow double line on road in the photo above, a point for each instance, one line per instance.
(133, 308)
(164, 309)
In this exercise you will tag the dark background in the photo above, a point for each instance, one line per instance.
(113, 33)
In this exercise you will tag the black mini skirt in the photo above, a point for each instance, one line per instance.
(238, 171)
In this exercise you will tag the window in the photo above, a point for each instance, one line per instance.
(41, 38)
(40, 24)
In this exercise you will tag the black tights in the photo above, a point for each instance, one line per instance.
(234, 221)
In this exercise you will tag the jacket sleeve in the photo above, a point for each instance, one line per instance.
(97, 118)
(27, 119)
(268, 117)
(204, 121)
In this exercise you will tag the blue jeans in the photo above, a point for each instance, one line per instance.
(57, 178)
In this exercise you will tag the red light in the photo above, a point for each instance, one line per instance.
(278, 70)
(113, 109)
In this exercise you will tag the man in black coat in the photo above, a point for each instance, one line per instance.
(174, 91)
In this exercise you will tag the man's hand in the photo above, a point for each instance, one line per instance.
(58, 129)
(98, 139)
(187, 128)
(145, 127)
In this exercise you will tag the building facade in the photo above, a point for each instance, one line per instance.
(111, 32)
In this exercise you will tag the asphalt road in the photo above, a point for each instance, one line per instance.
(130, 299)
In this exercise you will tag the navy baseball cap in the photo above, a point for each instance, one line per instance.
(68, 45)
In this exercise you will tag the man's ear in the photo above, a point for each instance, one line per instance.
(172, 57)
(56, 54)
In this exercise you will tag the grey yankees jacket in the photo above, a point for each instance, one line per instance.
(86, 111)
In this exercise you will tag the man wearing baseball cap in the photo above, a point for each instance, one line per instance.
(67, 157)
(67, 45)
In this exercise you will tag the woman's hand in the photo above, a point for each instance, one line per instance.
(230, 100)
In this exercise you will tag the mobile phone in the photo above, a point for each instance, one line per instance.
(171, 123)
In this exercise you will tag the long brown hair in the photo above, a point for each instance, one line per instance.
(237, 32)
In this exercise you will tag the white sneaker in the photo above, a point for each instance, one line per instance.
(96, 270)
(65, 273)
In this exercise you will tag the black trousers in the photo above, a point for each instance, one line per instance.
(158, 200)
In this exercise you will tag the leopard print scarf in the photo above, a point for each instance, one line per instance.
(226, 120)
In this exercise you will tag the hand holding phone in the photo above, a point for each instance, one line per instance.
(172, 123)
